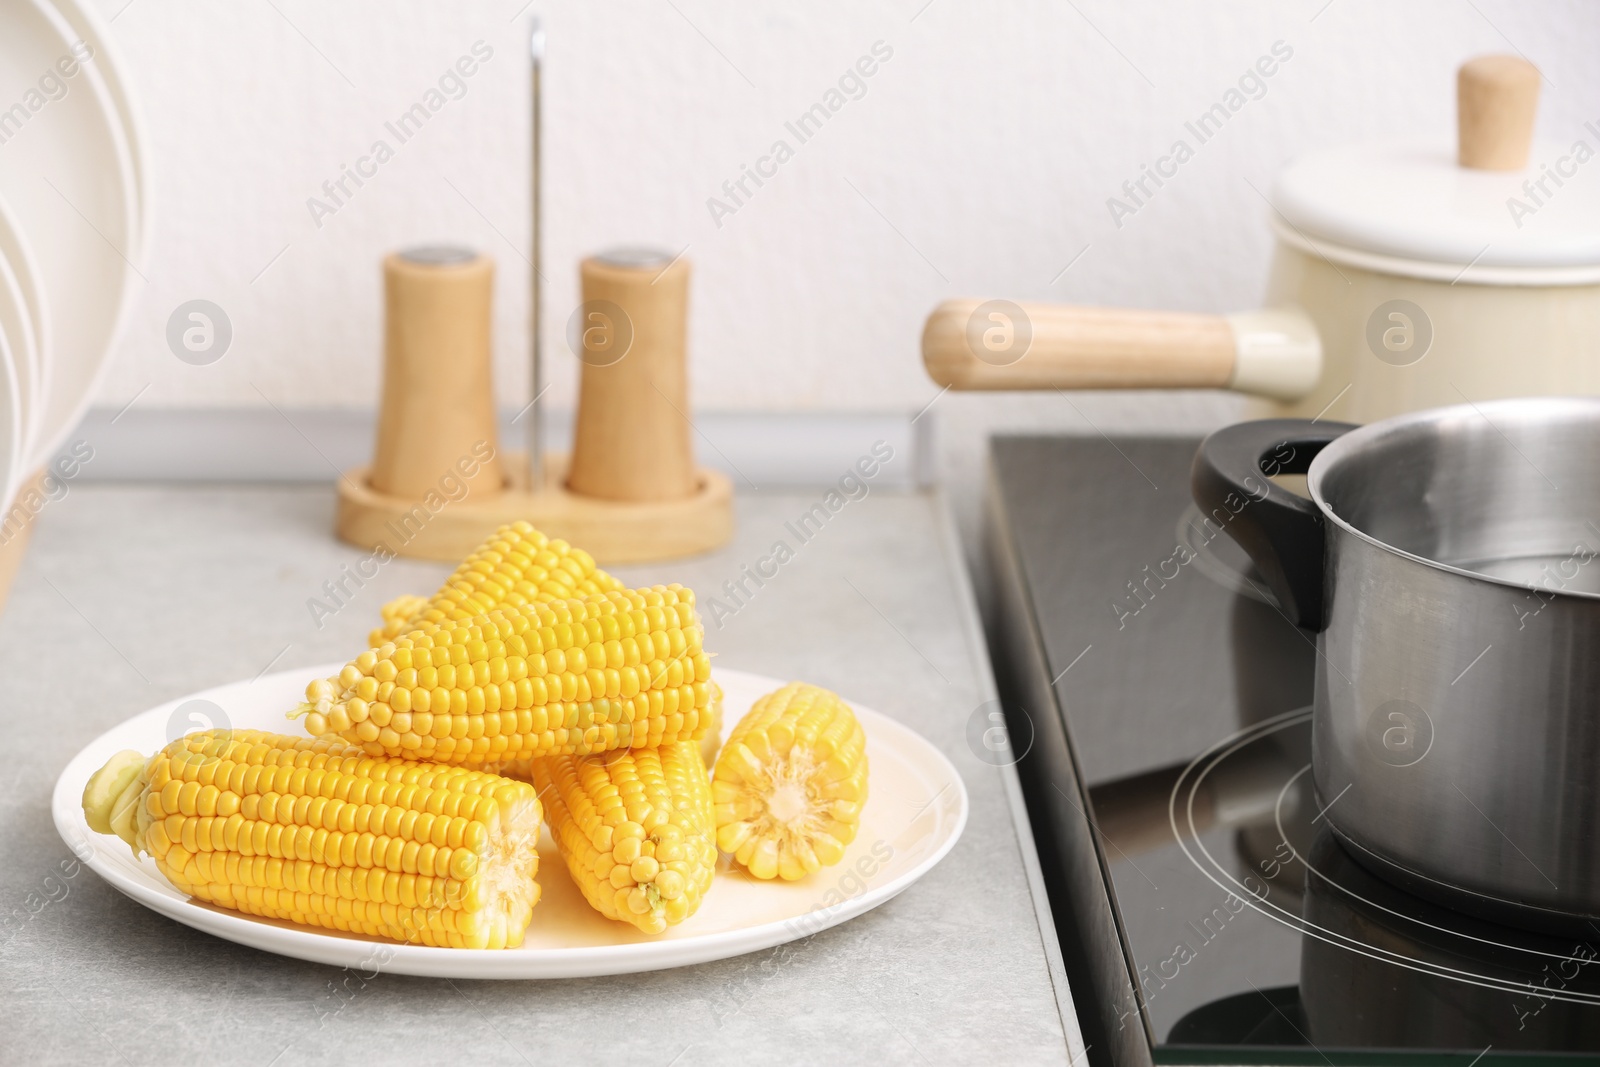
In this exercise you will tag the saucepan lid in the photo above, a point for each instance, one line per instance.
(1496, 208)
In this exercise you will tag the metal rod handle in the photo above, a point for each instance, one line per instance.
(536, 346)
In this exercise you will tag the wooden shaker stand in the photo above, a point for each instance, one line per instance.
(633, 495)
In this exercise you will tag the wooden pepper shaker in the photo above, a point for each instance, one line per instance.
(632, 441)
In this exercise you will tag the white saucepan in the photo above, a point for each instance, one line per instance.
(1404, 277)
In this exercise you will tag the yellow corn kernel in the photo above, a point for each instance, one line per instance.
(516, 566)
(635, 829)
(790, 783)
(622, 669)
(322, 834)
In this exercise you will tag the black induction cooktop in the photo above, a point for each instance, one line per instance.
(1158, 702)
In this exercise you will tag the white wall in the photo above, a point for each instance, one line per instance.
(978, 162)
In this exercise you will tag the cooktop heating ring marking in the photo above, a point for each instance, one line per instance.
(1220, 876)
(1278, 818)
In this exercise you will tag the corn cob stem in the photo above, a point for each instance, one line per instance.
(321, 834)
(112, 797)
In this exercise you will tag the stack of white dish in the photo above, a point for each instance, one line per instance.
(73, 223)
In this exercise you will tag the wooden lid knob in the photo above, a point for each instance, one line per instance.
(1496, 97)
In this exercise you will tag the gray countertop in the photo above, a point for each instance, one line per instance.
(131, 596)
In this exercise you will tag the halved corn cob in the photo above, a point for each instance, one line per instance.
(791, 782)
(614, 670)
(516, 565)
(635, 829)
(320, 833)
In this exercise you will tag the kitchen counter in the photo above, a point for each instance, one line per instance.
(131, 596)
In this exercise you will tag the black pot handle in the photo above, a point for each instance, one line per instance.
(1282, 532)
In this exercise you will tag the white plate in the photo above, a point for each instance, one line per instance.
(87, 24)
(916, 809)
(68, 176)
(10, 421)
(22, 321)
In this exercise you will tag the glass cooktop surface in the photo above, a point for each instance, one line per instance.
(1246, 930)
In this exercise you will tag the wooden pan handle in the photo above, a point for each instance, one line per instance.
(997, 344)
(1496, 98)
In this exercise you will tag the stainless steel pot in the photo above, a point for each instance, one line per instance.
(1447, 561)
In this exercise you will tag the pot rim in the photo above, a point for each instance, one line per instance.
(1370, 435)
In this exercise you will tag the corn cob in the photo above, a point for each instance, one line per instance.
(615, 670)
(791, 782)
(635, 829)
(320, 833)
(396, 613)
(516, 566)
